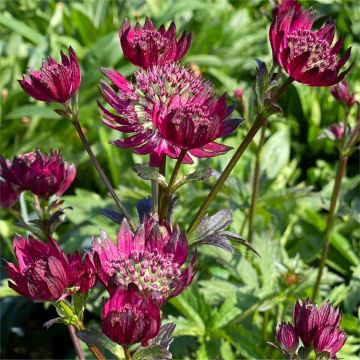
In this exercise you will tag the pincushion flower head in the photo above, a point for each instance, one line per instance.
(152, 259)
(54, 82)
(42, 174)
(341, 92)
(145, 46)
(306, 55)
(42, 270)
(168, 109)
(129, 318)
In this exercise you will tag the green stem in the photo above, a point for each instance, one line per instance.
(256, 182)
(76, 342)
(165, 201)
(127, 353)
(354, 135)
(162, 171)
(330, 221)
(76, 123)
(258, 123)
(31, 229)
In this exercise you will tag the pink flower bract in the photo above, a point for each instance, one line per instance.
(129, 318)
(54, 82)
(82, 272)
(306, 55)
(145, 46)
(42, 270)
(151, 259)
(167, 110)
(287, 337)
(42, 174)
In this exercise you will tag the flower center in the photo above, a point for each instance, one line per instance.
(128, 311)
(146, 36)
(149, 271)
(301, 41)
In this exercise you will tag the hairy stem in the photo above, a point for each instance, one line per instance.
(76, 123)
(76, 342)
(256, 182)
(257, 124)
(330, 221)
(165, 201)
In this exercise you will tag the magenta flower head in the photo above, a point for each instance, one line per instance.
(306, 320)
(42, 174)
(330, 339)
(42, 270)
(338, 130)
(54, 82)
(306, 55)
(8, 194)
(341, 92)
(151, 259)
(287, 337)
(145, 46)
(167, 110)
(129, 318)
(82, 272)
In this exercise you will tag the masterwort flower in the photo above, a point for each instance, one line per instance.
(167, 109)
(145, 46)
(128, 317)
(42, 174)
(42, 270)
(306, 55)
(54, 82)
(287, 337)
(151, 259)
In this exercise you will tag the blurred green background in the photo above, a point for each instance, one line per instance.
(232, 309)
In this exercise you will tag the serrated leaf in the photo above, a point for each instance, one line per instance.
(262, 82)
(198, 175)
(269, 108)
(147, 172)
(78, 302)
(97, 338)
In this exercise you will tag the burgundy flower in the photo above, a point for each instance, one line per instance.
(306, 320)
(54, 82)
(287, 337)
(145, 46)
(129, 318)
(82, 272)
(42, 270)
(338, 130)
(167, 110)
(8, 194)
(42, 174)
(306, 55)
(328, 316)
(151, 259)
(341, 92)
(330, 339)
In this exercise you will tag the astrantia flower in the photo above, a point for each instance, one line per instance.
(341, 92)
(167, 110)
(42, 174)
(338, 130)
(54, 82)
(151, 259)
(42, 270)
(8, 194)
(82, 275)
(306, 55)
(145, 46)
(287, 337)
(129, 318)
(330, 339)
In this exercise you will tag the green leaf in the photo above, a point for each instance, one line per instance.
(198, 175)
(147, 172)
(97, 338)
(32, 111)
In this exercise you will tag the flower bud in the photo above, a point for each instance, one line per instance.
(286, 335)
(342, 93)
(129, 318)
(82, 272)
(8, 194)
(330, 339)
(54, 82)
(338, 130)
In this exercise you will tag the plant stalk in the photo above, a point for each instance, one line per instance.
(341, 169)
(166, 198)
(256, 182)
(162, 171)
(76, 123)
(257, 124)
(127, 353)
(76, 342)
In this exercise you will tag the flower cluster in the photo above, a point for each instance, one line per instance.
(149, 261)
(42, 174)
(317, 328)
(169, 108)
(45, 273)
(306, 55)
